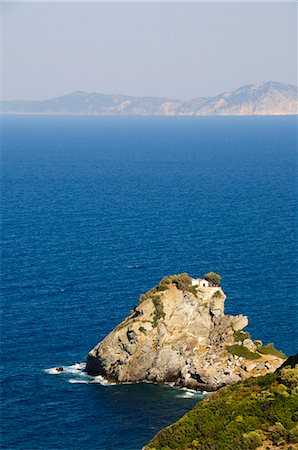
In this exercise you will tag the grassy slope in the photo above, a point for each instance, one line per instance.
(257, 412)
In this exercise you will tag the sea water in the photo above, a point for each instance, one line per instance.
(95, 211)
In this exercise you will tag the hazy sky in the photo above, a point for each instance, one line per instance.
(179, 50)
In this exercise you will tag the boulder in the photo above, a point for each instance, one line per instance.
(217, 306)
(248, 343)
(249, 367)
(240, 322)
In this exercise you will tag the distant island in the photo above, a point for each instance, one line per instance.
(271, 98)
(179, 333)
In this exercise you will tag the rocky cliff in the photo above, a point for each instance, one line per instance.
(179, 333)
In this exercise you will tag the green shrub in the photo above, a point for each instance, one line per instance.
(213, 278)
(240, 416)
(278, 433)
(124, 323)
(182, 281)
(253, 439)
(239, 350)
(293, 435)
(241, 336)
(289, 377)
(217, 294)
(281, 389)
(148, 295)
(158, 312)
(269, 349)
(142, 330)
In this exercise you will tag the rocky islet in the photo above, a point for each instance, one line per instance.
(179, 333)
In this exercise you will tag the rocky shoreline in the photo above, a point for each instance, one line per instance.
(179, 333)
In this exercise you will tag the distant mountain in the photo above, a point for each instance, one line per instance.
(271, 98)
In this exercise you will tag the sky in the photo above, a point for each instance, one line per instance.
(170, 49)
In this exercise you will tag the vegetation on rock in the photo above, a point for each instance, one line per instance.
(240, 350)
(269, 349)
(217, 294)
(213, 278)
(241, 336)
(242, 416)
(158, 312)
(182, 281)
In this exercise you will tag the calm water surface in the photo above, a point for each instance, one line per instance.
(97, 210)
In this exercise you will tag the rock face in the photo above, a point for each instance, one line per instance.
(179, 333)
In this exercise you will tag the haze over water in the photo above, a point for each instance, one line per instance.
(97, 210)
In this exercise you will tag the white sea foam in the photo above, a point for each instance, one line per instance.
(186, 395)
(76, 381)
(90, 380)
(170, 384)
(207, 393)
(54, 371)
(74, 368)
(191, 390)
(101, 380)
(189, 393)
(81, 377)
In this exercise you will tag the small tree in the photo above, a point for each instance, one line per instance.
(213, 278)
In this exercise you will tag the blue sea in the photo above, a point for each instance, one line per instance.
(95, 211)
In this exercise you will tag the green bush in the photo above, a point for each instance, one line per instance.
(158, 312)
(240, 416)
(241, 336)
(182, 281)
(269, 349)
(289, 377)
(217, 294)
(253, 439)
(293, 435)
(278, 433)
(148, 295)
(213, 278)
(282, 390)
(239, 350)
